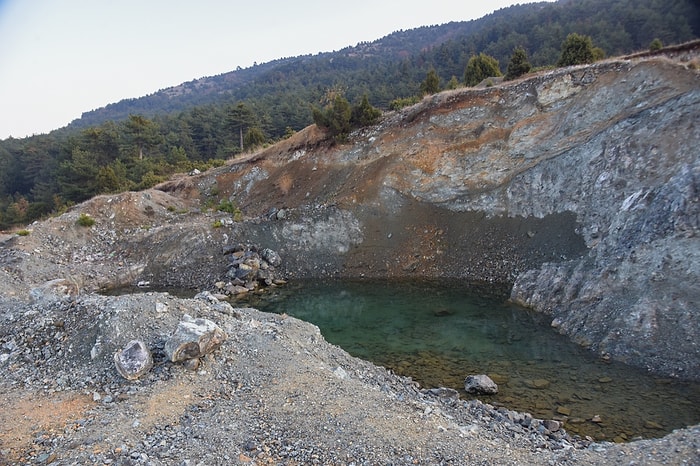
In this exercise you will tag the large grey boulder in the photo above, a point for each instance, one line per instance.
(193, 339)
(480, 385)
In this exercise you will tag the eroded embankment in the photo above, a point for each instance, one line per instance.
(578, 185)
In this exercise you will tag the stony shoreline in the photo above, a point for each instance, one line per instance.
(274, 393)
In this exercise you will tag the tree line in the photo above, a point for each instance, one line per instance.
(46, 174)
(393, 66)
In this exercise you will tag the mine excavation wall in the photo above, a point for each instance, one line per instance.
(579, 187)
(417, 240)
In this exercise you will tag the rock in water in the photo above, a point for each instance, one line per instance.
(133, 360)
(480, 385)
(194, 338)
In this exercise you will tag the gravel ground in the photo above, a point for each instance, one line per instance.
(275, 393)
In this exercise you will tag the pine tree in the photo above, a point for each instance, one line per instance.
(141, 134)
(431, 85)
(335, 117)
(480, 67)
(364, 114)
(655, 45)
(577, 49)
(238, 119)
(518, 65)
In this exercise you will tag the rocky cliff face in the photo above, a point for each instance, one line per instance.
(578, 186)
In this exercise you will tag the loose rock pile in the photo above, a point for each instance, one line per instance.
(192, 340)
(249, 269)
(545, 433)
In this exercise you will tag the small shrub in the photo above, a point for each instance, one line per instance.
(85, 220)
(175, 210)
(656, 45)
(226, 205)
(543, 68)
(231, 208)
(23, 233)
(214, 163)
(217, 224)
(150, 179)
(453, 83)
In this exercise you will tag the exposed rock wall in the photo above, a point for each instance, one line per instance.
(580, 186)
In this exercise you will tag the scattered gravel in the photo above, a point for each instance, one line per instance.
(275, 393)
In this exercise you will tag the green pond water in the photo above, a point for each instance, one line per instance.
(438, 332)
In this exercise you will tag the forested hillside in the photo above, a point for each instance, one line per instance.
(395, 65)
(137, 142)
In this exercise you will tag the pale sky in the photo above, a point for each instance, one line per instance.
(60, 58)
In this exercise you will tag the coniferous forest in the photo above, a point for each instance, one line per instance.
(136, 143)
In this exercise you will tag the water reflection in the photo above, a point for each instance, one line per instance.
(440, 332)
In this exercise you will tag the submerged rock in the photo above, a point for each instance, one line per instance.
(539, 384)
(480, 385)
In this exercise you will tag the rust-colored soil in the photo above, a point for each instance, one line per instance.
(26, 419)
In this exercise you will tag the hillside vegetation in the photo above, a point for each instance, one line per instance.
(136, 143)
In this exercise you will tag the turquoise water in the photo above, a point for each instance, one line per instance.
(439, 332)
